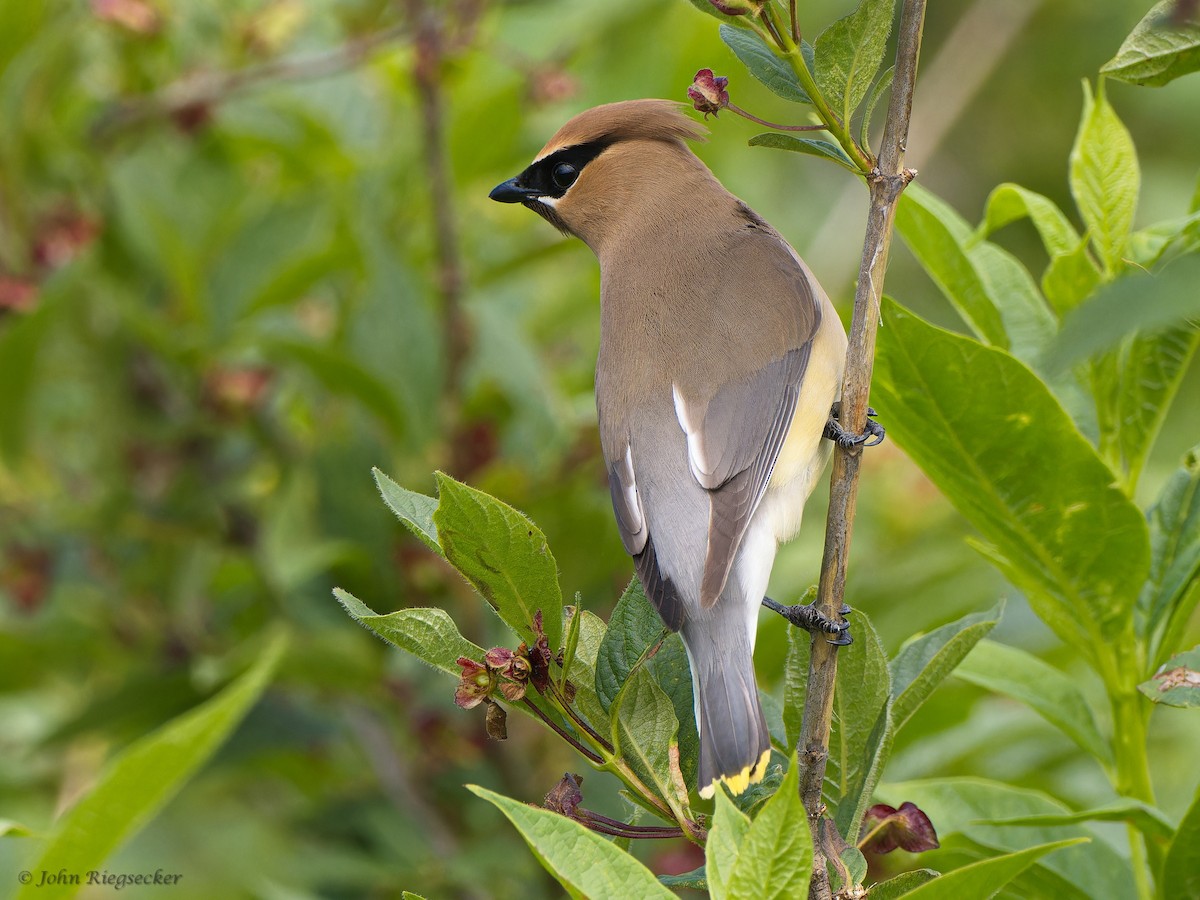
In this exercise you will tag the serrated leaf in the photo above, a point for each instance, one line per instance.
(729, 828)
(503, 555)
(413, 509)
(144, 777)
(1104, 177)
(795, 684)
(1158, 50)
(848, 55)
(963, 806)
(1009, 203)
(861, 737)
(985, 879)
(775, 857)
(900, 886)
(580, 860)
(1180, 878)
(1175, 551)
(632, 628)
(803, 145)
(428, 634)
(763, 63)
(644, 727)
(925, 662)
(989, 434)
(993, 292)
(1148, 819)
(1177, 681)
(1044, 689)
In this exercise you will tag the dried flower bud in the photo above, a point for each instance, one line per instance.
(496, 722)
(708, 92)
(564, 798)
(907, 828)
(499, 658)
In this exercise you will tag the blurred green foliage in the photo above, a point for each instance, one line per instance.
(246, 255)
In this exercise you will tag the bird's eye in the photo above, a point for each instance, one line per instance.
(564, 175)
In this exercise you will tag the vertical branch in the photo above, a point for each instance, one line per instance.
(886, 184)
(430, 45)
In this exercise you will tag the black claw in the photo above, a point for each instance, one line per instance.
(812, 620)
(871, 437)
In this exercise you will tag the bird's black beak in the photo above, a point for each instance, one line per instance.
(511, 191)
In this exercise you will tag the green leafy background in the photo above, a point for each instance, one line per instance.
(239, 310)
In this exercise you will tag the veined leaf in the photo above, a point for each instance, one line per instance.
(848, 54)
(1047, 691)
(795, 683)
(632, 628)
(775, 857)
(861, 737)
(580, 860)
(803, 145)
(428, 634)
(1180, 878)
(504, 556)
(1070, 278)
(146, 775)
(763, 63)
(881, 86)
(413, 509)
(582, 672)
(1177, 681)
(729, 828)
(923, 663)
(1158, 50)
(1010, 202)
(902, 885)
(672, 672)
(644, 727)
(1175, 553)
(1146, 818)
(993, 439)
(986, 878)
(1104, 177)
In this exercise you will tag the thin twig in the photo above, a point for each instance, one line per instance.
(557, 729)
(753, 118)
(886, 184)
(202, 89)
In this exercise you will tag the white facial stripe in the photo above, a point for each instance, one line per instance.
(550, 201)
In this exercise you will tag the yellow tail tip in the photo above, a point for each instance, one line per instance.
(740, 782)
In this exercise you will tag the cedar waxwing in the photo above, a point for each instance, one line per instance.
(720, 358)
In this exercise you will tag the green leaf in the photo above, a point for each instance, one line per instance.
(993, 439)
(902, 885)
(1162, 242)
(1177, 682)
(696, 880)
(644, 727)
(504, 556)
(580, 860)
(849, 53)
(795, 682)
(708, 9)
(1044, 689)
(775, 857)
(413, 509)
(923, 663)
(1010, 202)
(729, 828)
(146, 775)
(633, 628)
(428, 634)
(582, 672)
(9, 828)
(967, 806)
(1181, 869)
(1158, 50)
(1104, 177)
(1174, 551)
(1146, 818)
(881, 85)
(986, 878)
(763, 63)
(1070, 278)
(672, 671)
(986, 285)
(803, 145)
(861, 736)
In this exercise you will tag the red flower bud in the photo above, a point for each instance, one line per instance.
(708, 92)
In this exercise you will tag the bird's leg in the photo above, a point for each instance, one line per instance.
(812, 620)
(869, 438)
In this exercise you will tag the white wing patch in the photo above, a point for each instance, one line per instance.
(697, 458)
(629, 490)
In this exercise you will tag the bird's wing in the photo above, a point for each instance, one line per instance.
(732, 448)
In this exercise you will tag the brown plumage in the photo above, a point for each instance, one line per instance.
(720, 356)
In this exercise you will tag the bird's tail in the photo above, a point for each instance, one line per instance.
(734, 743)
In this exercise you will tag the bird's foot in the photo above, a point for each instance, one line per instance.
(812, 620)
(873, 435)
